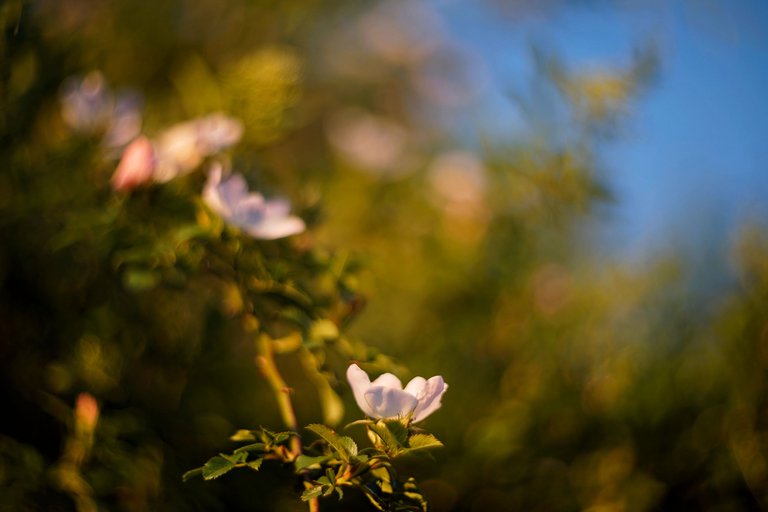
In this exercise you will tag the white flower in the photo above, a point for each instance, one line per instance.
(386, 398)
(182, 147)
(86, 103)
(261, 218)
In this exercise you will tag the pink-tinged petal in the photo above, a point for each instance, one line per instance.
(260, 218)
(387, 380)
(234, 190)
(277, 207)
(177, 152)
(216, 132)
(136, 165)
(416, 386)
(272, 229)
(389, 402)
(429, 401)
(211, 194)
(360, 383)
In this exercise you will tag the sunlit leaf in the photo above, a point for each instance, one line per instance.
(423, 441)
(191, 474)
(311, 493)
(346, 446)
(216, 467)
(242, 435)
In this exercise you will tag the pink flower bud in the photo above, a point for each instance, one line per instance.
(86, 412)
(136, 165)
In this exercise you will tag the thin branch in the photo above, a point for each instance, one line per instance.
(266, 362)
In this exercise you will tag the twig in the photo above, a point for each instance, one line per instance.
(266, 362)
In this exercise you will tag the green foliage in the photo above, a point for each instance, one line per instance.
(575, 383)
(344, 446)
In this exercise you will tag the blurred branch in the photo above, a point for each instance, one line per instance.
(266, 363)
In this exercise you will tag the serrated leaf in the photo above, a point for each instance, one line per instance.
(242, 435)
(390, 441)
(345, 446)
(349, 445)
(255, 464)
(191, 474)
(281, 437)
(339, 492)
(423, 442)
(216, 467)
(236, 458)
(304, 461)
(398, 430)
(251, 448)
(311, 493)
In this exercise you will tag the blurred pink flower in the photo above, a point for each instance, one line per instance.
(86, 412)
(261, 218)
(136, 166)
(386, 398)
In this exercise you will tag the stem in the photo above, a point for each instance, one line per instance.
(268, 367)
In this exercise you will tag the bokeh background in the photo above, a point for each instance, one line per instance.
(558, 206)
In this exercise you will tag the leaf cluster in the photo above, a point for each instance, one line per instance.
(334, 462)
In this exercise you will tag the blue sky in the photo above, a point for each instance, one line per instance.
(692, 163)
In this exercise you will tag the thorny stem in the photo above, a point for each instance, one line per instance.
(266, 363)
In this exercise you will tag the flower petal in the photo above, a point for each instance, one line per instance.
(416, 386)
(271, 229)
(360, 383)
(389, 402)
(429, 401)
(387, 380)
(136, 165)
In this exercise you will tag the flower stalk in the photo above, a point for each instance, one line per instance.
(265, 360)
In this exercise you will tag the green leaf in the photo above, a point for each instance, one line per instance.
(137, 279)
(311, 493)
(255, 464)
(281, 437)
(191, 474)
(216, 467)
(344, 445)
(304, 461)
(323, 329)
(236, 458)
(423, 442)
(242, 435)
(398, 430)
(270, 437)
(358, 422)
(390, 441)
(251, 448)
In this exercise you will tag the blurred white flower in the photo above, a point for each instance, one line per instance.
(86, 103)
(458, 181)
(374, 143)
(182, 147)
(261, 218)
(402, 32)
(386, 398)
(126, 119)
(136, 165)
